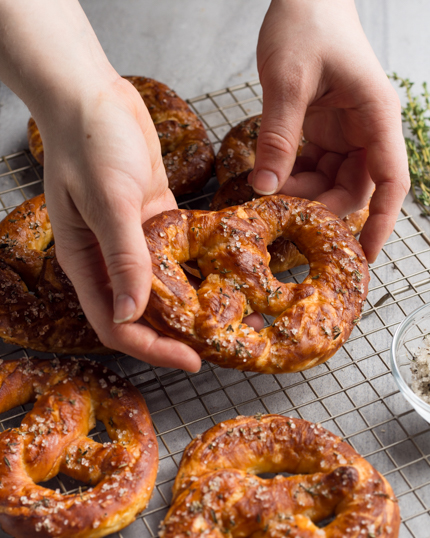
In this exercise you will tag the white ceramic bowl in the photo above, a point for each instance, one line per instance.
(407, 339)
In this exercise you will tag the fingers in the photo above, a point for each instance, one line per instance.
(254, 320)
(280, 132)
(353, 186)
(142, 342)
(95, 293)
(388, 165)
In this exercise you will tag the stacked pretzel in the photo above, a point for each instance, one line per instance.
(217, 493)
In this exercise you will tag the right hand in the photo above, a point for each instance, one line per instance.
(318, 71)
(104, 176)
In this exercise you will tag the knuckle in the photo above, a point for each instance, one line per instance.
(270, 142)
(287, 78)
(391, 98)
(405, 184)
(108, 338)
(121, 263)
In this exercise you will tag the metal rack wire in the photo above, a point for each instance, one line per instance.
(353, 394)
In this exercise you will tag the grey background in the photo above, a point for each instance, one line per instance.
(196, 46)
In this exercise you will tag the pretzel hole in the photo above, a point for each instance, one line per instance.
(269, 476)
(65, 484)
(99, 433)
(325, 522)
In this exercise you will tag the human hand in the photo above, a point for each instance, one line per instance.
(318, 70)
(104, 176)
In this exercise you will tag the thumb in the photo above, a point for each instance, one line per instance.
(279, 137)
(128, 264)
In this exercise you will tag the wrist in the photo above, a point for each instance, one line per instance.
(53, 55)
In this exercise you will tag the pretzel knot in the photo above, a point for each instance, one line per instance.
(313, 319)
(69, 396)
(215, 493)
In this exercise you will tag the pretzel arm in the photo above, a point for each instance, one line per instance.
(90, 462)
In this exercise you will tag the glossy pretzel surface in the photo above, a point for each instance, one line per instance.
(313, 319)
(187, 152)
(217, 492)
(238, 148)
(69, 396)
(284, 254)
(39, 308)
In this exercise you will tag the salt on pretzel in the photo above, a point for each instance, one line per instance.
(238, 148)
(39, 308)
(53, 437)
(188, 155)
(284, 254)
(216, 492)
(313, 319)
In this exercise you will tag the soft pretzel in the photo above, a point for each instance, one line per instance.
(238, 148)
(53, 437)
(39, 308)
(187, 152)
(313, 319)
(216, 492)
(284, 254)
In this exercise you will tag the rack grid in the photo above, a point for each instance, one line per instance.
(353, 394)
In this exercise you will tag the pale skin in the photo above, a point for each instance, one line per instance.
(104, 174)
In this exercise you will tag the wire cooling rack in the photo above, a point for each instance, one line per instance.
(353, 394)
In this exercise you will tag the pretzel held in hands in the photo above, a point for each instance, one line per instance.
(313, 319)
(53, 437)
(217, 493)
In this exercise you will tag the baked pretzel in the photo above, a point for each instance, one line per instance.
(39, 308)
(187, 151)
(238, 148)
(53, 437)
(216, 492)
(35, 141)
(284, 254)
(313, 319)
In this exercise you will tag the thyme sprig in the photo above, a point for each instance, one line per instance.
(416, 117)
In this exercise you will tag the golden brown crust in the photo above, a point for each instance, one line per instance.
(69, 396)
(284, 255)
(187, 151)
(217, 493)
(237, 151)
(35, 141)
(39, 308)
(238, 148)
(313, 319)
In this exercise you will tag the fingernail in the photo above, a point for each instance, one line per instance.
(194, 370)
(265, 182)
(125, 307)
